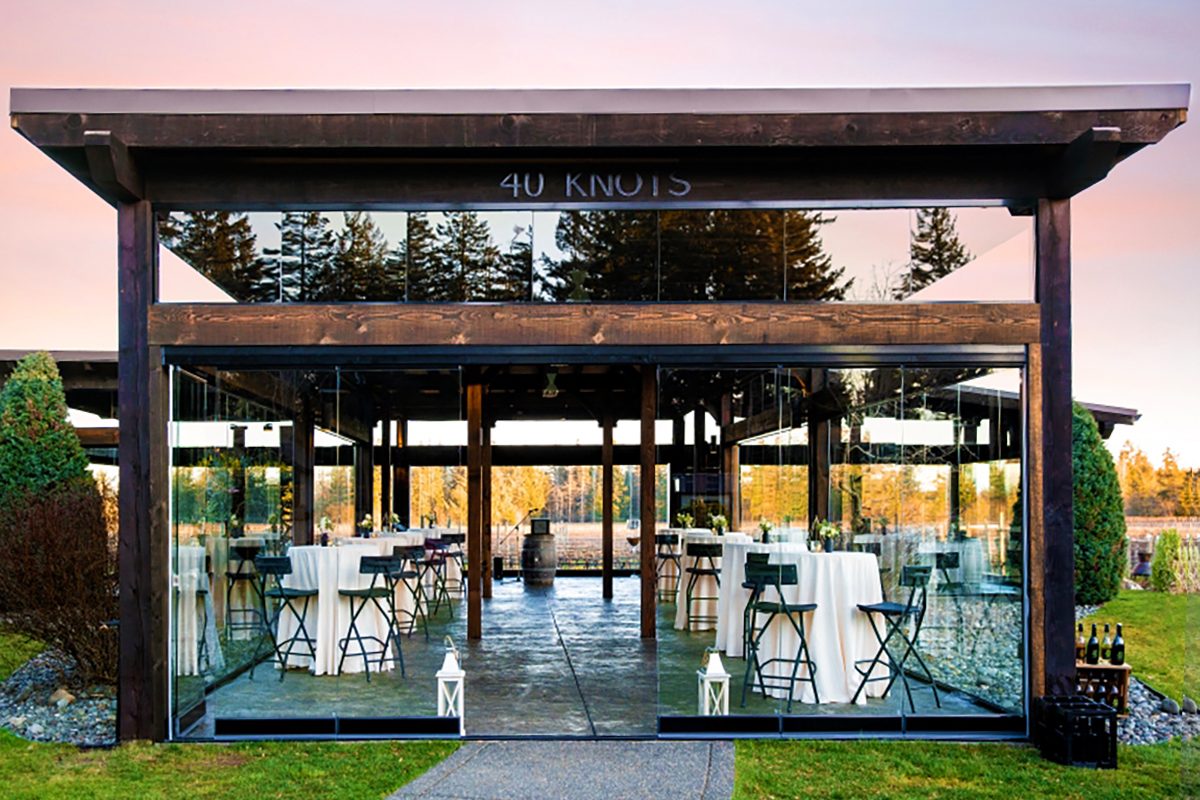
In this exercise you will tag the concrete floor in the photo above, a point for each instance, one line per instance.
(559, 661)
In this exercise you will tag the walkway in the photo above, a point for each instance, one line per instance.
(575, 770)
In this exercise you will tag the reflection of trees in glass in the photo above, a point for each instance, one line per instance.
(609, 255)
(220, 246)
(934, 252)
(417, 258)
(466, 259)
(305, 256)
(363, 270)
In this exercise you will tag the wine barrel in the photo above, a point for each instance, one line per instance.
(539, 559)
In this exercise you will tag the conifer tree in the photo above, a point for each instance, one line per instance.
(1099, 514)
(305, 256)
(221, 246)
(934, 252)
(363, 270)
(465, 258)
(416, 260)
(39, 449)
(811, 274)
(513, 276)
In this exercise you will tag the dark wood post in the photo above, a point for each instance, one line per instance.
(303, 474)
(385, 472)
(400, 476)
(144, 539)
(818, 458)
(486, 509)
(364, 480)
(674, 496)
(1058, 515)
(606, 503)
(474, 508)
(649, 408)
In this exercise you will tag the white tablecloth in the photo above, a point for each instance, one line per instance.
(328, 569)
(194, 609)
(705, 585)
(838, 633)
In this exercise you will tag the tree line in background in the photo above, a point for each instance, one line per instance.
(608, 255)
(1163, 491)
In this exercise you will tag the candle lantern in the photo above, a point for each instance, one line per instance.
(451, 678)
(713, 683)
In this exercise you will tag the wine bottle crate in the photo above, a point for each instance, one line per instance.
(1105, 683)
(1076, 731)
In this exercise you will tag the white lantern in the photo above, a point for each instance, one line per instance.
(451, 678)
(713, 683)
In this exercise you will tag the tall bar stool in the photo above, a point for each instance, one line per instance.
(667, 545)
(454, 552)
(762, 577)
(709, 552)
(382, 595)
(433, 573)
(271, 571)
(242, 618)
(916, 580)
(408, 573)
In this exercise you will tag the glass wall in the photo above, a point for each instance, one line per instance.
(614, 255)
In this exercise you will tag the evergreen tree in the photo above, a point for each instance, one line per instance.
(39, 449)
(934, 252)
(466, 258)
(1099, 514)
(416, 260)
(221, 246)
(305, 256)
(514, 269)
(811, 274)
(363, 270)
(610, 256)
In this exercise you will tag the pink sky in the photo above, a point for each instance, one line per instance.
(1136, 239)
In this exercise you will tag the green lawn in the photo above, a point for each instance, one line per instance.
(902, 770)
(15, 651)
(1155, 628)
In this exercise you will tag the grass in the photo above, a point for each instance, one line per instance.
(902, 770)
(15, 650)
(1155, 631)
(303, 770)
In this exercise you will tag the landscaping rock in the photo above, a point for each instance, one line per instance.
(82, 718)
(1188, 705)
(1169, 706)
(61, 698)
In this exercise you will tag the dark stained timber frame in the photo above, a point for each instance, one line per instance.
(151, 152)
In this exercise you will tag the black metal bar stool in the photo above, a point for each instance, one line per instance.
(433, 572)
(408, 573)
(271, 571)
(667, 545)
(916, 580)
(761, 577)
(454, 552)
(242, 618)
(383, 597)
(697, 551)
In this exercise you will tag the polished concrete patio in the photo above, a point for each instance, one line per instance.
(559, 661)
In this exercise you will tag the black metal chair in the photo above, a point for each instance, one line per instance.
(408, 573)
(896, 615)
(242, 618)
(709, 552)
(383, 597)
(667, 545)
(761, 577)
(433, 572)
(945, 562)
(271, 571)
(454, 552)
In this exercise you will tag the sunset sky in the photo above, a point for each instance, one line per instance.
(1136, 235)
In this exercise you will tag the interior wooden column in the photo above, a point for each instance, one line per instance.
(818, 458)
(385, 473)
(144, 543)
(303, 474)
(486, 509)
(649, 408)
(1058, 513)
(401, 497)
(474, 508)
(364, 480)
(606, 502)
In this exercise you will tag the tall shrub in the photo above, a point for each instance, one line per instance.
(1164, 569)
(39, 448)
(1099, 515)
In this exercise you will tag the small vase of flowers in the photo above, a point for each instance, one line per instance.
(718, 524)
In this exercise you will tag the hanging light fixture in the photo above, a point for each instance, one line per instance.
(551, 391)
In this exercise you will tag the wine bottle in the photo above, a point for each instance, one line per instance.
(1080, 644)
(1117, 655)
(1105, 644)
(1092, 655)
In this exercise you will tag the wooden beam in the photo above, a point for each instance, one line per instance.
(474, 508)
(303, 474)
(486, 509)
(769, 421)
(113, 169)
(1054, 295)
(1034, 569)
(99, 437)
(385, 471)
(648, 513)
(606, 513)
(818, 458)
(364, 480)
(1087, 161)
(144, 538)
(593, 324)
(401, 496)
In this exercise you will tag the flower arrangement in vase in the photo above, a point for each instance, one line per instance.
(684, 520)
(718, 523)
